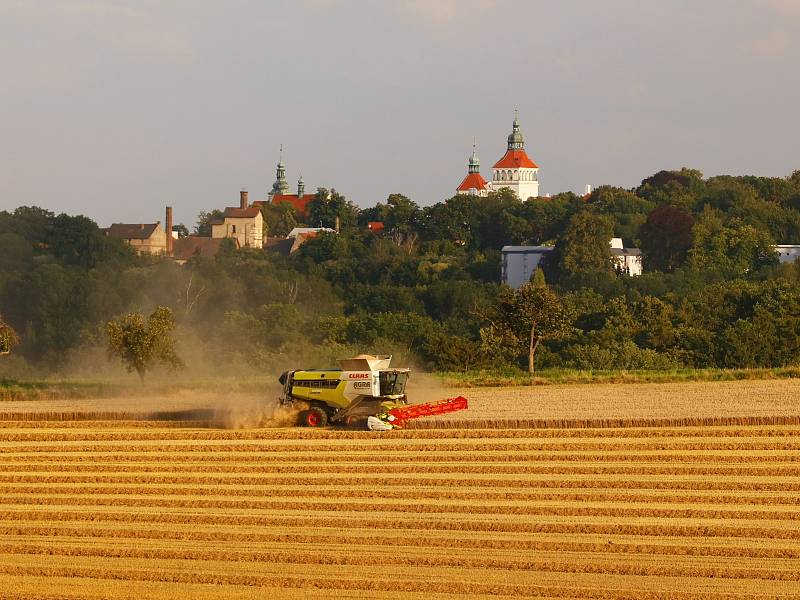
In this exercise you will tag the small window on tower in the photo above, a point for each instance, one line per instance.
(233, 228)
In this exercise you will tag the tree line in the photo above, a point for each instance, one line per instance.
(427, 287)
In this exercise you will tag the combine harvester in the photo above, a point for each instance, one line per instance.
(364, 390)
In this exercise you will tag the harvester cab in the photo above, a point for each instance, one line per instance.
(364, 386)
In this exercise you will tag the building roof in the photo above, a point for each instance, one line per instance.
(234, 212)
(473, 181)
(300, 203)
(375, 226)
(308, 231)
(515, 159)
(527, 249)
(132, 231)
(194, 245)
(280, 245)
(626, 252)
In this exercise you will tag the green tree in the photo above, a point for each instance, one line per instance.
(279, 219)
(729, 250)
(326, 206)
(524, 317)
(584, 248)
(141, 345)
(626, 210)
(666, 237)
(402, 214)
(204, 221)
(78, 241)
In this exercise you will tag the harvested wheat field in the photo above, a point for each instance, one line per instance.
(682, 400)
(141, 509)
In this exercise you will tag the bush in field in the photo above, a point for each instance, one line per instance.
(8, 337)
(141, 345)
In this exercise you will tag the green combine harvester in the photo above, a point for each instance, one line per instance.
(363, 390)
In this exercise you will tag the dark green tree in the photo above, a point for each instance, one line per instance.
(665, 238)
(327, 206)
(584, 248)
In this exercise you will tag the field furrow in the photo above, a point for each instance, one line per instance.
(642, 513)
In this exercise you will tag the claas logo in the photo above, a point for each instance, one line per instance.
(359, 376)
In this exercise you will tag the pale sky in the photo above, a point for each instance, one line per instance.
(114, 108)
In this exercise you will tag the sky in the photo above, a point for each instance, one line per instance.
(115, 109)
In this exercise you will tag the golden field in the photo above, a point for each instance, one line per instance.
(552, 492)
(771, 397)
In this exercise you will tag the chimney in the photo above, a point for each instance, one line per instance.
(243, 199)
(168, 229)
(587, 190)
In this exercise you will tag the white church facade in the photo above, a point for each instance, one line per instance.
(515, 170)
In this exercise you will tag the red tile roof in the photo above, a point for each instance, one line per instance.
(473, 181)
(300, 203)
(515, 159)
(194, 245)
(132, 231)
(375, 226)
(241, 213)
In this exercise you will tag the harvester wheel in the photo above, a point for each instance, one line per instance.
(314, 417)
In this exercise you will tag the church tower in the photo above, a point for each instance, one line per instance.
(473, 184)
(516, 170)
(281, 186)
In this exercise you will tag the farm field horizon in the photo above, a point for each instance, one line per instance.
(557, 402)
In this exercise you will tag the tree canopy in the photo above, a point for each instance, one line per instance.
(427, 287)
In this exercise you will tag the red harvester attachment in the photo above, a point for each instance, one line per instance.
(416, 411)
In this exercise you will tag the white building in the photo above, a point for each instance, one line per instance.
(629, 260)
(245, 224)
(515, 171)
(519, 262)
(787, 253)
(309, 230)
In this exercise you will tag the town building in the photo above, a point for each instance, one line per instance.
(787, 253)
(280, 191)
(195, 245)
(474, 183)
(515, 170)
(244, 223)
(628, 260)
(145, 238)
(518, 263)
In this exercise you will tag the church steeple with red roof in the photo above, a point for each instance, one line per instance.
(515, 170)
(473, 183)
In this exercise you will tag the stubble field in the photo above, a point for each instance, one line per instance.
(105, 508)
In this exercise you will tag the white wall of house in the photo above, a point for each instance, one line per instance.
(523, 182)
(519, 263)
(155, 244)
(249, 232)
